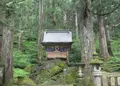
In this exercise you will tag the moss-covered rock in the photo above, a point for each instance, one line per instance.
(71, 75)
(49, 70)
(52, 73)
(28, 82)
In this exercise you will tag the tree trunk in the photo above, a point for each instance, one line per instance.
(76, 25)
(20, 40)
(87, 35)
(54, 15)
(107, 31)
(102, 38)
(40, 32)
(64, 19)
(7, 50)
(1, 28)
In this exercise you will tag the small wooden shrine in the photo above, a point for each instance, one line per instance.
(57, 43)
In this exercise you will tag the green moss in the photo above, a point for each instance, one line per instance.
(9, 83)
(69, 79)
(70, 85)
(28, 82)
(52, 73)
(55, 70)
(96, 61)
(52, 68)
(86, 81)
(28, 68)
(71, 75)
(95, 54)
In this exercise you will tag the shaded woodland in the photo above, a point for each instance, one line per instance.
(95, 27)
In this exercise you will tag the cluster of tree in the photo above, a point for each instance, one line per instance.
(86, 18)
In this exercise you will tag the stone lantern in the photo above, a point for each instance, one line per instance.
(80, 67)
(80, 70)
(95, 62)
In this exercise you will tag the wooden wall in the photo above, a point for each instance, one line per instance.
(57, 54)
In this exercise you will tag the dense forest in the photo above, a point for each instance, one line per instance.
(95, 27)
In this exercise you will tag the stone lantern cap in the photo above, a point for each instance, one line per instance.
(96, 61)
(95, 54)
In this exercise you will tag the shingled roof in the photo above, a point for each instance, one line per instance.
(57, 36)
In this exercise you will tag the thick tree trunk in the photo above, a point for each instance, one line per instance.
(7, 50)
(1, 28)
(107, 31)
(40, 32)
(87, 35)
(20, 40)
(102, 38)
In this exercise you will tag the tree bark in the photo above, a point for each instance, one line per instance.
(102, 38)
(87, 35)
(40, 31)
(7, 50)
(1, 28)
(107, 31)
(20, 40)
(54, 15)
(76, 25)
(64, 19)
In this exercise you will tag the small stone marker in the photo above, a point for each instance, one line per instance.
(112, 81)
(118, 81)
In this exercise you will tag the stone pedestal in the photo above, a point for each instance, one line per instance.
(80, 74)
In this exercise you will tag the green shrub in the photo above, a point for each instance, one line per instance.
(112, 65)
(75, 55)
(21, 60)
(116, 47)
(20, 73)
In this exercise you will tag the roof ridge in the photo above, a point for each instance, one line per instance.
(57, 31)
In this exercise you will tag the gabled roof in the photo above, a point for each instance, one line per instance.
(57, 36)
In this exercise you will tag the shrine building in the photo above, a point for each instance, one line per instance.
(57, 43)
